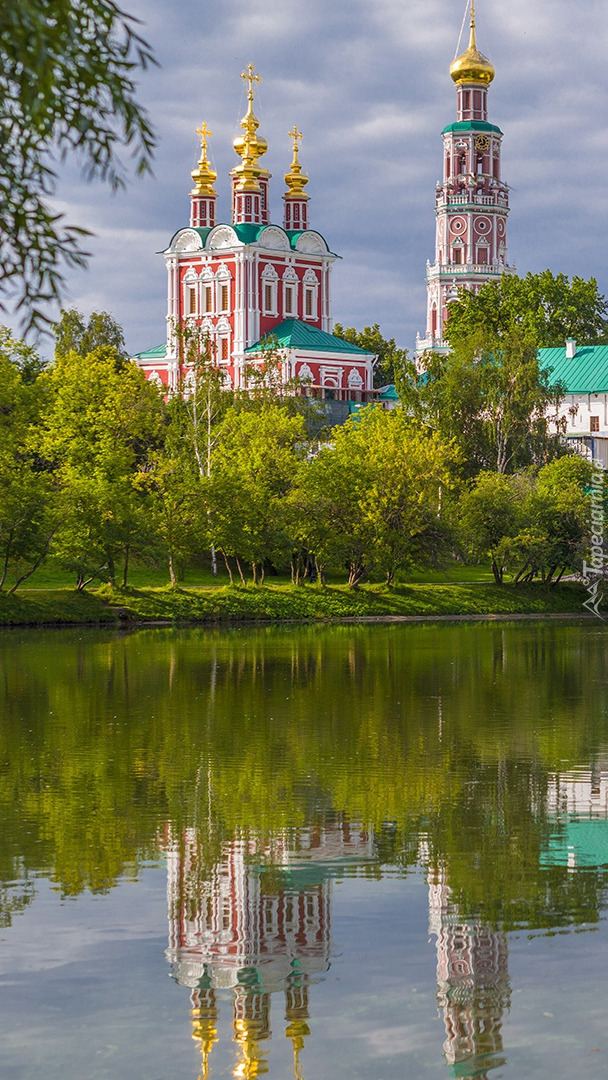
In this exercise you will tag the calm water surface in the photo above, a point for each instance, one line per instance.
(331, 852)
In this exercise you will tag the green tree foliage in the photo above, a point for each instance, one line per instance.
(491, 395)
(372, 497)
(488, 513)
(67, 86)
(26, 520)
(534, 525)
(102, 418)
(253, 467)
(548, 307)
(73, 334)
(392, 363)
(556, 523)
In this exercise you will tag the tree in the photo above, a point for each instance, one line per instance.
(73, 334)
(556, 517)
(372, 497)
(548, 307)
(101, 422)
(392, 361)
(488, 513)
(67, 85)
(491, 395)
(253, 468)
(26, 522)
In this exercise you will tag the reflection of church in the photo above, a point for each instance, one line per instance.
(256, 925)
(473, 988)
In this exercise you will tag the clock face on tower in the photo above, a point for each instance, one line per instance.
(482, 142)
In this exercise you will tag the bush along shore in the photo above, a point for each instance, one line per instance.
(269, 603)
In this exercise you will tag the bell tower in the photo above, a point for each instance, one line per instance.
(471, 200)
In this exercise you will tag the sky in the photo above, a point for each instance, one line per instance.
(367, 82)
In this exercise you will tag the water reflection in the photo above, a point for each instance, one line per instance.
(266, 766)
(473, 989)
(259, 924)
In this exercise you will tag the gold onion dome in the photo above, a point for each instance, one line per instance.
(472, 66)
(250, 146)
(296, 180)
(204, 176)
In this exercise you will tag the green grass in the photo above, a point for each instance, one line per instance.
(54, 607)
(221, 604)
(141, 576)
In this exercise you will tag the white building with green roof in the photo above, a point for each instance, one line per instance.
(582, 373)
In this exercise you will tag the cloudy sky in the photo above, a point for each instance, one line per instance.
(367, 81)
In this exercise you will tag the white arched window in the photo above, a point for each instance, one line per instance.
(222, 290)
(270, 282)
(290, 293)
(310, 296)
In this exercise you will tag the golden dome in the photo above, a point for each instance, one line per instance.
(204, 176)
(472, 66)
(250, 146)
(296, 180)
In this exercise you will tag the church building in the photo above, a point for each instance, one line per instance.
(471, 200)
(251, 285)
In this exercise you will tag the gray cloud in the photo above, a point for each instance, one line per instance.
(368, 84)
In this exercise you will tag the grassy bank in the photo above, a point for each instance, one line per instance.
(280, 602)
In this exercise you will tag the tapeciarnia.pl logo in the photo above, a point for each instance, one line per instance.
(594, 572)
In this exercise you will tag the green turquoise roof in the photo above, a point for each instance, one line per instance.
(248, 234)
(471, 125)
(158, 353)
(586, 373)
(293, 334)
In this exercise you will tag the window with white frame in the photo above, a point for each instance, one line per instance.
(270, 282)
(290, 293)
(223, 331)
(191, 292)
(223, 289)
(311, 295)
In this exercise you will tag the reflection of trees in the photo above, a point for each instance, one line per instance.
(450, 732)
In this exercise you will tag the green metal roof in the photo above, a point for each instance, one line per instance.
(248, 233)
(471, 125)
(586, 373)
(293, 334)
(388, 393)
(158, 353)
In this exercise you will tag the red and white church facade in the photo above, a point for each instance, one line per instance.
(245, 283)
(471, 200)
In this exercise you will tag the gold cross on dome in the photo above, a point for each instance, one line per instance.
(250, 76)
(205, 134)
(296, 136)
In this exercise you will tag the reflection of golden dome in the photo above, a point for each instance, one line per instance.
(472, 66)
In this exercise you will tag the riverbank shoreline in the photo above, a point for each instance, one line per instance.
(235, 605)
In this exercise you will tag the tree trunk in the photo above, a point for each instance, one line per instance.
(227, 566)
(33, 568)
(111, 570)
(356, 572)
(240, 570)
(172, 574)
(125, 570)
(497, 571)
